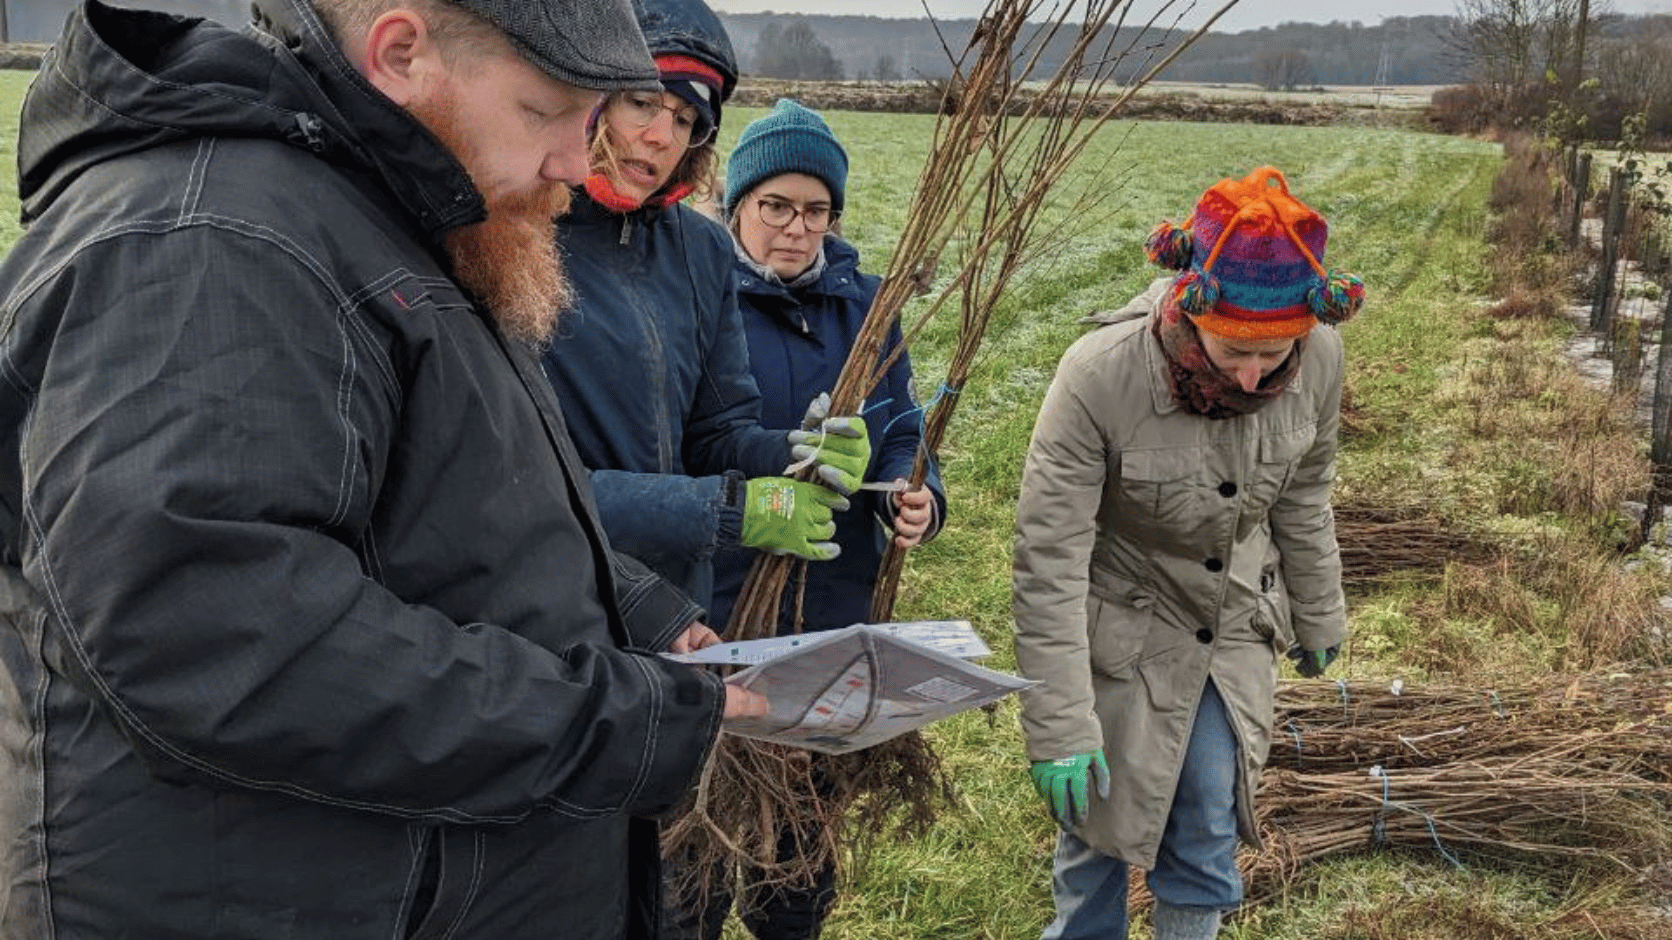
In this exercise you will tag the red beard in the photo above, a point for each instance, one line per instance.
(510, 260)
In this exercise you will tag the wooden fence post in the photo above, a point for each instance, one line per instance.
(1581, 192)
(1660, 425)
(1562, 179)
(1602, 303)
(1625, 348)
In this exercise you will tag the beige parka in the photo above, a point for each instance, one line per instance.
(1157, 548)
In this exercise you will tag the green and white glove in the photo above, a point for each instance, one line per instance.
(1066, 785)
(789, 517)
(839, 448)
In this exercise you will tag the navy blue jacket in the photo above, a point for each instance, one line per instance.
(798, 342)
(653, 372)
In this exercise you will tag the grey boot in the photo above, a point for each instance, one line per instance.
(1175, 922)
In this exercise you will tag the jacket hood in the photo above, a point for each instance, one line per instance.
(688, 28)
(122, 81)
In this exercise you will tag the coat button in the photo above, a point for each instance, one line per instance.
(1227, 489)
(1204, 635)
(1213, 564)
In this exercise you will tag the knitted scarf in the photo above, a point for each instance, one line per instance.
(1198, 386)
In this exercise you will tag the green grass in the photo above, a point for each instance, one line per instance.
(12, 86)
(1407, 213)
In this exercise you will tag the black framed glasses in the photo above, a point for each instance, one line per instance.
(779, 214)
(642, 108)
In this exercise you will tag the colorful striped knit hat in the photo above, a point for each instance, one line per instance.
(1252, 257)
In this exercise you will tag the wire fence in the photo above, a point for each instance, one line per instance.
(1618, 215)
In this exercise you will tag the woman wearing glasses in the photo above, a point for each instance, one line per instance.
(804, 299)
(649, 362)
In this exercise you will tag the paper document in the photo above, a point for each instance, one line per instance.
(952, 637)
(847, 689)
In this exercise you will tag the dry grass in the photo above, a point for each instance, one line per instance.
(1454, 916)
(1554, 602)
(1526, 303)
(1529, 260)
(1557, 444)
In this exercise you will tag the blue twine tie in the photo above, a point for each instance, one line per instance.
(944, 391)
(1378, 829)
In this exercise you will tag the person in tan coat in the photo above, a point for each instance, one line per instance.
(1174, 541)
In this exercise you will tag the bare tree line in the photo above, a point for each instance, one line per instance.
(1562, 64)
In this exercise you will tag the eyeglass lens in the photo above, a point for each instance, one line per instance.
(778, 214)
(641, 110)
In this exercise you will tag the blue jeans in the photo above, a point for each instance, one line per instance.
(1197, 862)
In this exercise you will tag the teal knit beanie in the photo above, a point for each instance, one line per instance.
(787, 139)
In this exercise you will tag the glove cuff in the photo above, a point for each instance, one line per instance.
(728, 529)
(732, 485)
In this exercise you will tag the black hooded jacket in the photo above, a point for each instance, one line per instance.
(307, 626)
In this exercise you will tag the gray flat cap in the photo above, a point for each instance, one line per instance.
(592, 44)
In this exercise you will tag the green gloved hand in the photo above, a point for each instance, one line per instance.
(1312, 663)
(840, 447)
(1064, 785)
(785, 516)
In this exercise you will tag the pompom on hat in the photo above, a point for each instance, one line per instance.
(1252, 261)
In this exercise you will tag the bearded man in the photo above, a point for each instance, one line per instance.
(307, 626)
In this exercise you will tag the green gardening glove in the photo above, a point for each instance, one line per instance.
(1064, 785)
(1312, 663)
(789, 517)
(839, 448)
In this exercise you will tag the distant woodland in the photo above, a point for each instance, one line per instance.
(1399, 51)
(1508, 62)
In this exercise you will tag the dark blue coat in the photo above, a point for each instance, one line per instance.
(653, 372)
(651, 365)
(798, 342)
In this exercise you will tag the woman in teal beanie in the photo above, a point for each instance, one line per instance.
(803, 299)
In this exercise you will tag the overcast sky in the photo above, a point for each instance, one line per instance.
(1247, 14)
